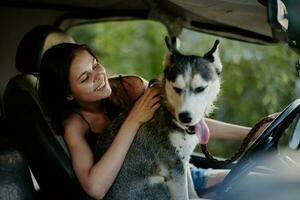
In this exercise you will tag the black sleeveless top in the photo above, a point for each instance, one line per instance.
(90, 136)
(113, 108)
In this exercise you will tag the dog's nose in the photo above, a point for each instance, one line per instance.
(185, 117)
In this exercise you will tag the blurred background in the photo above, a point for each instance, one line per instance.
(257, 80)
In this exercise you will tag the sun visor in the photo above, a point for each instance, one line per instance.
(284, 16)
(293, 32)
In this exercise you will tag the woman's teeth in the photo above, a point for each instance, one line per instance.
(102, 84)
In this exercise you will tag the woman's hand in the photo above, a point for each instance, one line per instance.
(144, 108)
(264, 126)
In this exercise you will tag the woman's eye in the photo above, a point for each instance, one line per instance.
(200, 89)
(96, 66)
(177, 90)
(84, 79)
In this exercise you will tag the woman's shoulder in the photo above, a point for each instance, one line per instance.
(129, 87)
(74, 125)
(129, 81)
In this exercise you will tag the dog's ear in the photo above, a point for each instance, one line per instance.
(210, 56)
(172, 44)
(213, 56)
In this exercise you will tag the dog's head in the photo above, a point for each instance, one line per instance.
(191, 83)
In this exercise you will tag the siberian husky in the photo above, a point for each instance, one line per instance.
(157, 163)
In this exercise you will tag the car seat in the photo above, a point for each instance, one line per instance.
(15, 182)
(44, 149)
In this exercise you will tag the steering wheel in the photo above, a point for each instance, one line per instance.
(265, 143)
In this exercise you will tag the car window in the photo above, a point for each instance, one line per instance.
(126, 47)
(291, 129)
(257, 80)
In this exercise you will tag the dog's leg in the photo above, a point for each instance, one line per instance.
(156, 180)
(177, 186)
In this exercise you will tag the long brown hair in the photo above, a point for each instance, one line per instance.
(54, 84)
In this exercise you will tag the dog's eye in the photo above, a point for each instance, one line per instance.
(200, 89)
(178, 90)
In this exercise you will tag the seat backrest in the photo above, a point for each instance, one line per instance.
(45, 150)
(15, 182)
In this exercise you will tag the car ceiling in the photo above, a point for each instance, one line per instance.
(244, 20)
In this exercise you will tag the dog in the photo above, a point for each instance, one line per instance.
(157, 163)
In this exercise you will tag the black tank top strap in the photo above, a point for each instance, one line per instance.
(83, 118)
(90, 136)
(112, 110)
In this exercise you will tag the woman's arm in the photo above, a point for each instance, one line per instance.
(224, 130)
(97, 178)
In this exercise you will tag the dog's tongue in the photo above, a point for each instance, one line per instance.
(202, 131)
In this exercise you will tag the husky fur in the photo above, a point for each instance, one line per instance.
(157, 163)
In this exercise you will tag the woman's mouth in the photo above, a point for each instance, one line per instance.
(102, 83)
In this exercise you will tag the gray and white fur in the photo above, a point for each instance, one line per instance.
(157, 163)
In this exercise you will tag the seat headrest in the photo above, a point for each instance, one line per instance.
(35, 43)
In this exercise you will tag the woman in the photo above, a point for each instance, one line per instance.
(82, 102)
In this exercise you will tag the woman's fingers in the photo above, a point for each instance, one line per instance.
(274, 115)
(150, 93)
(155, 107)
(146, 105)
(154, 101)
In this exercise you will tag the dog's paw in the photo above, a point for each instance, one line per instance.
(156, 180)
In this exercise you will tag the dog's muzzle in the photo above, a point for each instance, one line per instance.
(185, 117)
(190, 130)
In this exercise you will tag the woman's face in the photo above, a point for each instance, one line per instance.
(88, 79)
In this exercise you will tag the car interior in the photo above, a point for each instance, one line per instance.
(34, 160)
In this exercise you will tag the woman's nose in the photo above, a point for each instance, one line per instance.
(96, 77)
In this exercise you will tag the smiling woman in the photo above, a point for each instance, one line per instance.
(87, 76)
(74, 87)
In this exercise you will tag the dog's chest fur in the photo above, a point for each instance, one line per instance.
(184, 144)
